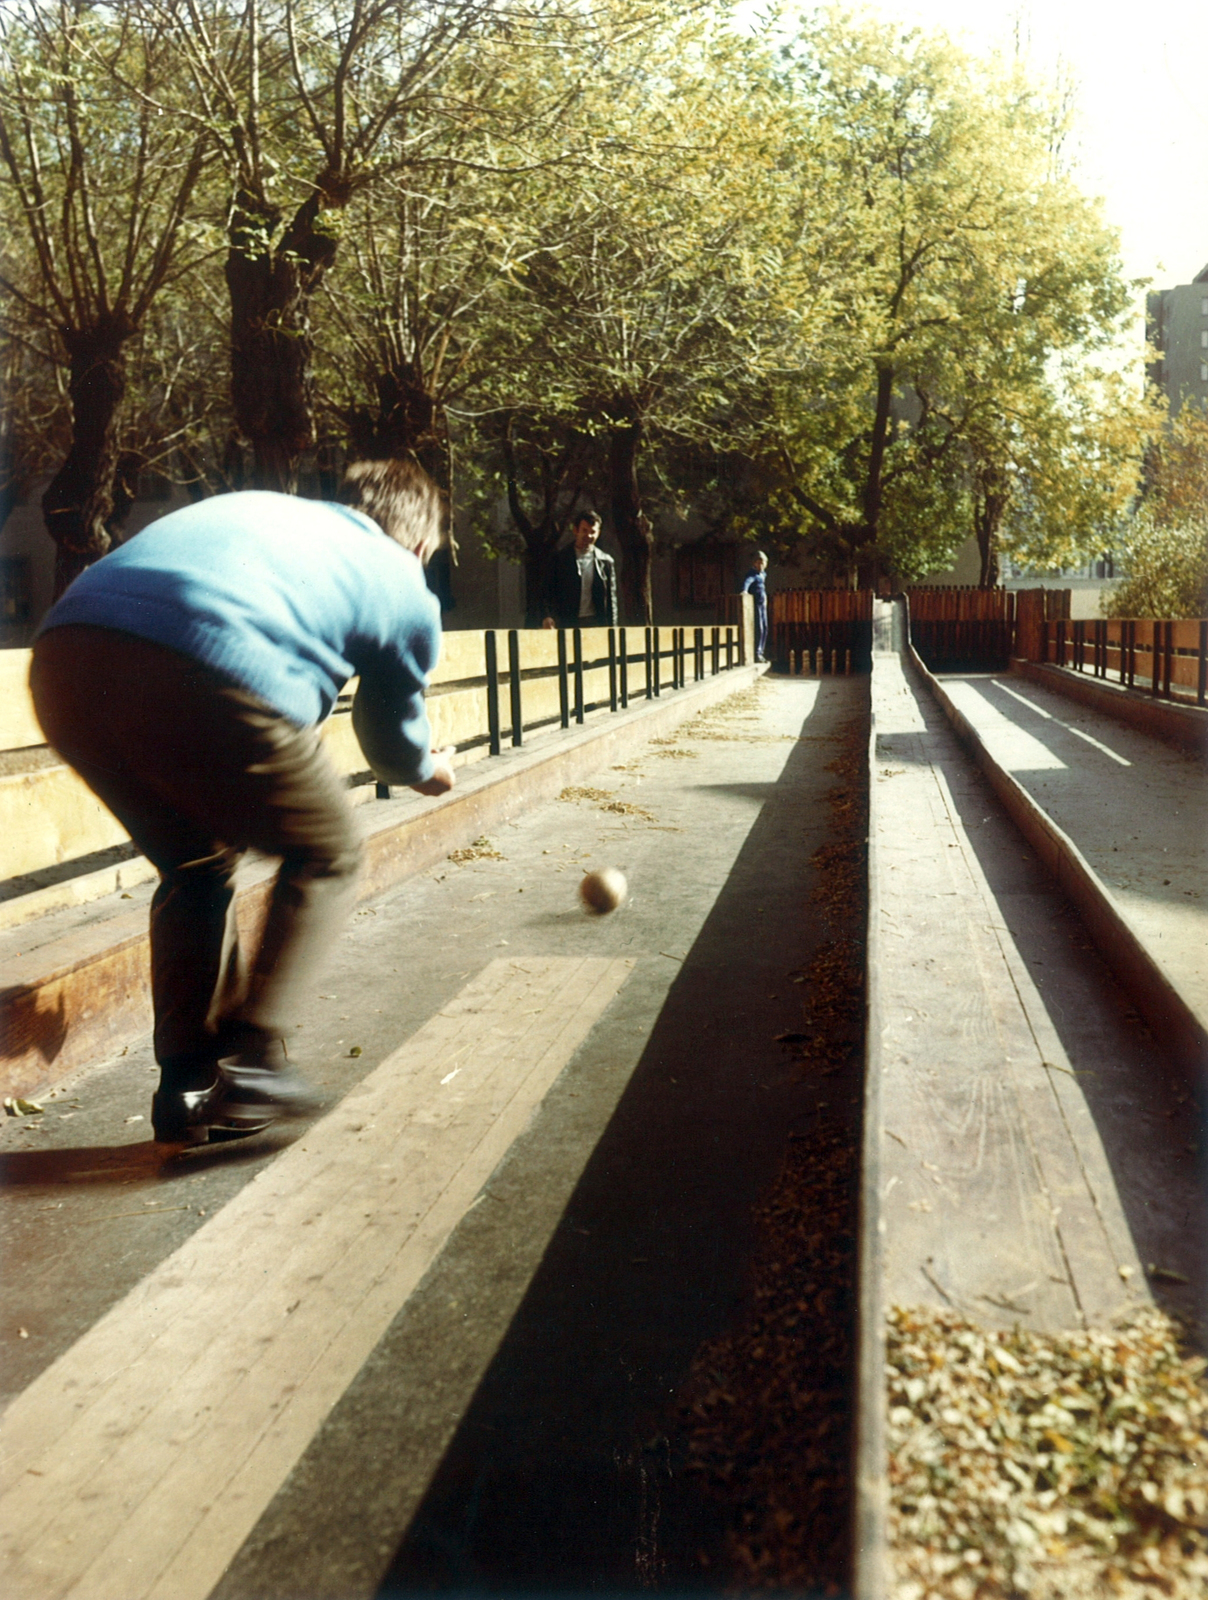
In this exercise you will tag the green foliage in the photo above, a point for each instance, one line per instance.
(830, 289)
(1167, 567)
(1165, 548)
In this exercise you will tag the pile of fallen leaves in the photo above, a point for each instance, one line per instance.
(767, 1409)
(481, 849)
(1049, 1466)
(604, 800)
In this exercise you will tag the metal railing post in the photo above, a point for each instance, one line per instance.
(624, 669)
(514, 686)
(656, 661)
(492, 692)
(578, 643)
(698, 654)
(1155, 662)
(563, 686)
(612, 669)
(715, 649)
(649, 669)
(1201, 692)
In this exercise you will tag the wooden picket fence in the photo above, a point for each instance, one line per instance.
(1169, 658)
(821, 630)
(963, 629)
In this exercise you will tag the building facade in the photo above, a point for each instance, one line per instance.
(1176, 325)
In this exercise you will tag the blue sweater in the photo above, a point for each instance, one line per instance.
(288, 598)
(756, 583)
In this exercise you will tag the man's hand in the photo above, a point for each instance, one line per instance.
(442, 779)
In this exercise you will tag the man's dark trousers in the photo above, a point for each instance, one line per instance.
(198, 771)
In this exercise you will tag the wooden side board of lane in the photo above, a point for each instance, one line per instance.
(138, 1463)
(996, 1196)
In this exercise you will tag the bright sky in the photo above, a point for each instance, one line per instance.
(1142, 93)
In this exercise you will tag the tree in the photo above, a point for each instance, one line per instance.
(980, 268)
(1165, 548)
(658, 293)
(100, 188)
(300, 96)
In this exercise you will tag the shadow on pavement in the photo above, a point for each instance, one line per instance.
(564, 1475)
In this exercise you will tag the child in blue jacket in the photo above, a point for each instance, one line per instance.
(184, 677)
(756, 584)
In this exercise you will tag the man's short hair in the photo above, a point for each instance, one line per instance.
(586, 516)
(401, 498)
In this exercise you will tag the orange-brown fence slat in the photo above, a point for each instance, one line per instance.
(1169, 658)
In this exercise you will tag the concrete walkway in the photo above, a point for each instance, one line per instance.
(1039, 1158)
(1135, 807)
(236, 1372)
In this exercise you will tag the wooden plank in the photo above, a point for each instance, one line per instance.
(1187, 635)
(19, 727)
(459, 716)
(139, 1462)
(998, 1198)
(48, 816)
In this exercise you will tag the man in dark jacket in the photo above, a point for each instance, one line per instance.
(583, 586)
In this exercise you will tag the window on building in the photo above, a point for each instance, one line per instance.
(16, 589)
(703, 572)
(1204, 339)
(1204, 371)
(1204, 305)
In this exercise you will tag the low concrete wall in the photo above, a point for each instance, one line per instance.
(59, 845)
(78, 998)
(1186, 726)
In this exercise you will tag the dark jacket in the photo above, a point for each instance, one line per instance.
(563, 603)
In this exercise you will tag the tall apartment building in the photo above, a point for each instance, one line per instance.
(1176, 324)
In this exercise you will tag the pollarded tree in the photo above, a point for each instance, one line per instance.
(99, 186)
(308, 101)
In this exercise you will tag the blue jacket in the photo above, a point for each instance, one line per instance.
(756, 584)
(288, 598)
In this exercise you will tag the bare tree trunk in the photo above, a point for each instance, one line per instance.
(407, 421)
(272, 347)
(78, 505)
(540, 538)
(990, 507)
(631, 524)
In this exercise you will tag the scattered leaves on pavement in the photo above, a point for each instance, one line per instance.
(482, 849)
(1031, 1466)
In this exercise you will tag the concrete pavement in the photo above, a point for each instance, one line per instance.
(495, 1432)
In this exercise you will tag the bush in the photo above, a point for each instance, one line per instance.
(1167, 566)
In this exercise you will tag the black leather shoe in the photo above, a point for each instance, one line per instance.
(251, 1094)
(194, 1116)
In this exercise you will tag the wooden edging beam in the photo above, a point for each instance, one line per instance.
(870, 1510)
(1172, 1020)
(79, 999)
